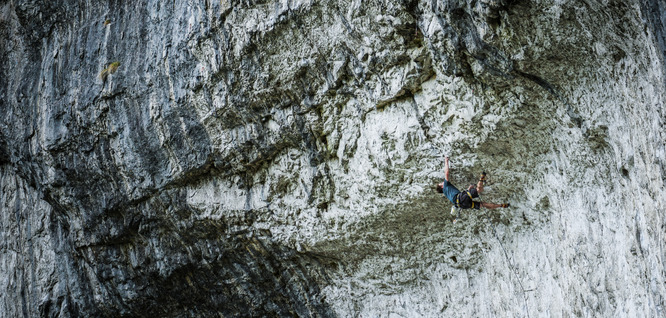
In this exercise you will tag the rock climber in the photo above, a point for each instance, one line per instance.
(464, 199)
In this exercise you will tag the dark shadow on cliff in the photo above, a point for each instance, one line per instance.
(160, 259)
(421, 231)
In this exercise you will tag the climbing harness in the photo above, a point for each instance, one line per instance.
(469, 195)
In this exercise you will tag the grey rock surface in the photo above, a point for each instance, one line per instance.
(278, 158)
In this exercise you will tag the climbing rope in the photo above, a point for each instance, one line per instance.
(512, 267)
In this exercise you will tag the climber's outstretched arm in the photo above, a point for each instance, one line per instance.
(446, 169)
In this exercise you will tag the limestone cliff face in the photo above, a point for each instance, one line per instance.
(278, 158)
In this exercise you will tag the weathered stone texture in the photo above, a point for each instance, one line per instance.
(278, 158)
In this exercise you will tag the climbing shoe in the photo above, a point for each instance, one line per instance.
(505, 205)
(483, 177)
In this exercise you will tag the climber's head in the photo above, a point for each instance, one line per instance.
(440, 187)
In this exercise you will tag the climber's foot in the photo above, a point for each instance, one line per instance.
(483, 177)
